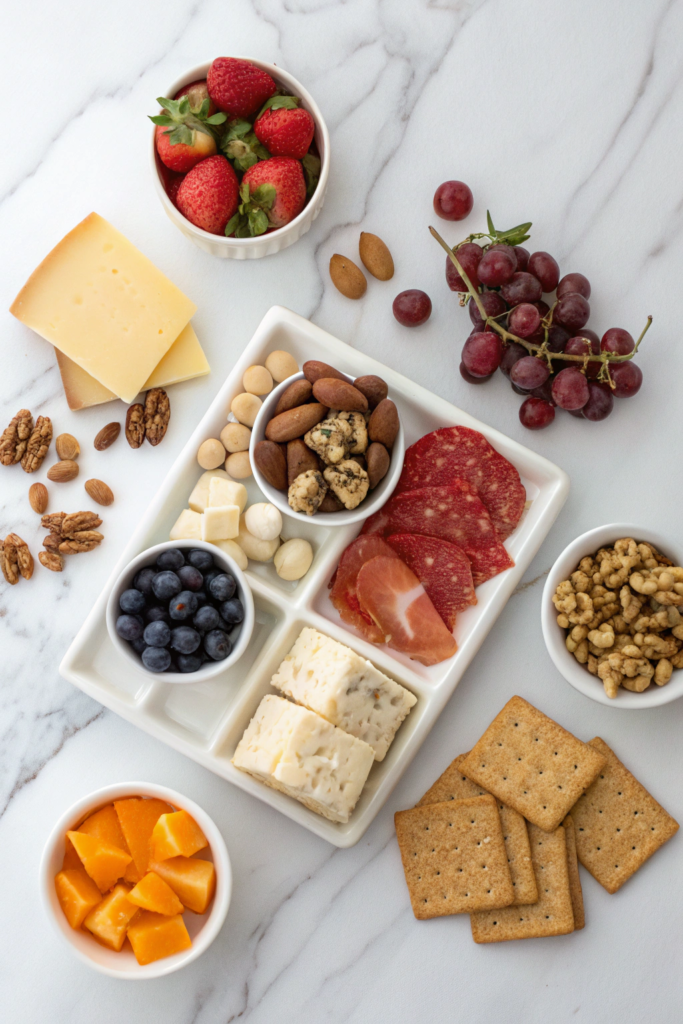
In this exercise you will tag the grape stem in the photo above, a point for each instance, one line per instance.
(541, 351)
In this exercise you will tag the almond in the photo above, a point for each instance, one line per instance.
(314, 370)
(107, 436)
(63, 471)
(339, 394)
(270, 461)
(67, 446)
(295, 422)
(37, 496)
(99, 491)
(374, 388)
(300, 458)
(347, 278)
(378, 460)
(296, 394)
(383, 424)
(375, 256)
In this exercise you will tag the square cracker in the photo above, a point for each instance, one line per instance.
(618, 824)
(552, 915)
(532, 764)
(453, 785)
(575, 890)
(454, 857)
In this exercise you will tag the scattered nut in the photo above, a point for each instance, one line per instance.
(99, 491)
(211, 454)
(271, 463)
(281, 365)
(37, 496)
(238, 465)
(67, 447)
(51, 560)
(63, 471)
(107, 435)
(263, 520)
(298, 392)
(135, 425)
(157, 415)
(257, 380)
(235, 437)
(374, 388)
(253, 547)
(15, 437)
(347, 277)
(15, 559)
(293, 559)
(38, 444)
(375, 256)
(245, 408)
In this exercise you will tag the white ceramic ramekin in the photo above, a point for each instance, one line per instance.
(272, 241)
(210, 668)
(554, 636)
(372, 503)
(203, 928)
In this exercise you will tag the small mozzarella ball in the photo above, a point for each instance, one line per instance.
(232, 548)
(281, 365)
(253, 547)
(236, 437)
(263, 520)
(257, 380)
(238, 465)
(211, 454)
(245, 408)
(293, 559)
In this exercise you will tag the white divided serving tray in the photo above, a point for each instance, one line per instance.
(205, 720)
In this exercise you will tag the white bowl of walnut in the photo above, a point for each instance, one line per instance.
(637, 661)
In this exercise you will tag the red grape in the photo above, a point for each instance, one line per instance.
(582, 346)
(557, 338)
(574, 283)
(545, 391)
(529, 373)
(496, 268)
(522, 255)
(481, 353)
(570, 389)
(546, 269)
(517, 390)
(618, 341)
(507, 249)
(468, 256)
(600, 402)
(453, 200)
(511, 355)
(586, 332)
(412, 307)
(492, 302)
(572, 311)
(542, 307)
(524, 320)
(627, 379)
(535, 413)
(470, 378)
(521, 287)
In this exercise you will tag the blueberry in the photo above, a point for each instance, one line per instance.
(183, 606)
(132, 602)
(200, 559)
(172, 558)
(206, 618)
(166, 585)
(217, 644)
(185, 639)
(156, 659)
(232, 611)
(156, 614)
(209, 577)
(222, 587)
(189, 662)
(190, 577)
(129, 627)
(143, 579)
(172, 665)
(157, 634)
(138, 645)
(202, 597)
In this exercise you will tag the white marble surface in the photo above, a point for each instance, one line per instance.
(566, 114)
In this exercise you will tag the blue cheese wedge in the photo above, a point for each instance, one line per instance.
(299, 753)
(335, 682)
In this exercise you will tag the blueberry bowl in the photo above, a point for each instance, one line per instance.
(184, 644)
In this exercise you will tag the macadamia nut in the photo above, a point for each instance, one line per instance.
(253, 547)
(211, 454)
(293, 559)
(281, 365)
(238, 465)
(232, 548)
(235, 437)
(263, 520)
(257, 380)
(245, 408)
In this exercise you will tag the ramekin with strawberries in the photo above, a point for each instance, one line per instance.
(240, 156)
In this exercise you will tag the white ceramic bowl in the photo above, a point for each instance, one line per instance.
(372, 503)
(554, 636)
(272, 241)
(203, 928)
(210, 668)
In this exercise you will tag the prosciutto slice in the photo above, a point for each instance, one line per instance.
(442, 568)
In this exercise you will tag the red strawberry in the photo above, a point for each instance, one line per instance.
(208, 194)
(179, 157)
(287, 178)
(238, 87)
(196, 92)
(172, 180)
(285, 132)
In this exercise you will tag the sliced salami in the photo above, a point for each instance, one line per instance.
(442, 568)
(343, 584)
(396, 600)
(438, 458)
(454, 513)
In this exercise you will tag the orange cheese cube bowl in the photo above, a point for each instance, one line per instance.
(176, 911)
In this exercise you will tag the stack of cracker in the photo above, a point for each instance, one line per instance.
(499, 835)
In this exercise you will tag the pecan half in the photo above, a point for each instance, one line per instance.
(52, 541)
(8, 562)
(135, 425)
(38, 444)
(77, 521)
(157, 415)
(15, 438)
(53, 521)
(24, 558)
(51, 561)
(84, 540)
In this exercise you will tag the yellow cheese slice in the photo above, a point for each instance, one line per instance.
(104, 305)
(184, 360)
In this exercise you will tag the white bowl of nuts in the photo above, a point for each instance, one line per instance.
(611, 616)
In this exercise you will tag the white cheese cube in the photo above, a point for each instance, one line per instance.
(232, 548)
(299, 753)
(221, 523)
(199, 498)
(226, 492)
(334, 681)
(188, 526)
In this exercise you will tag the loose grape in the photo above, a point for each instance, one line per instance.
(600, 402)
(412, 307)
(546, 269)
(496, 268)
(618, 341)
(535, 414)
(572, 311)
(470, 378)
(574, 283)
(453, 200)
(492, 302)
(522, 255)
(481, 353)
(627, 379)
(570, 389)
(522, 287)
(512, 354)
(557, 338)
(524, 320)
(581, 346)
(529, 373)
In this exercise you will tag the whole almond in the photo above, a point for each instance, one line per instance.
(383, 424)
(347, 278)
(374, 388)
(67, 446)
(375, 256)
(296, 394)
(295, 422)
(37, 496)
(378, 460)
(270, 460)
(339, 394)
(63, 471)
(314, 370)
(107, 436)
(300, 459)
(331, 503)
(99, 491)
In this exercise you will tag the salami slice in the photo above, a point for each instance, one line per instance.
(442, 568)
(454, 513)
(438, 458)
(343, 584)
(396, 600)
